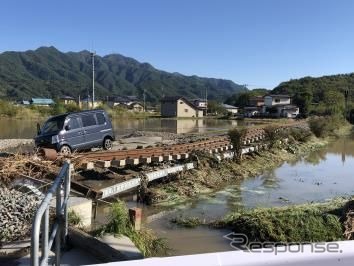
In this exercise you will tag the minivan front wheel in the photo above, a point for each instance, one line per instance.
(65, 150)
(107, 144)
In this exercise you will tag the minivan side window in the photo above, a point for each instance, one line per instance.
(100, 118)
(73, 123)
(88, 120)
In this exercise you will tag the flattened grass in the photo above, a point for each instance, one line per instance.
(299, 223)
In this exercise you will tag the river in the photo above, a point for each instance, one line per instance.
(319, 176)
(22, 129)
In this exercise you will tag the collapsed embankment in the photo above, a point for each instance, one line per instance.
(211, 174)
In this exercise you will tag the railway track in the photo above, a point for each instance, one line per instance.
(220, 145)
(167, 153)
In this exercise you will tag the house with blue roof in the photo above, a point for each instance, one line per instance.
(41, 101)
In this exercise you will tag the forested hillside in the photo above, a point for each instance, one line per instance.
(47, 72)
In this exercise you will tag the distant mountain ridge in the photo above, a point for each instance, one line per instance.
(47, 72)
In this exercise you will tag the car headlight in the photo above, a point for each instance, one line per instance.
(55, 139)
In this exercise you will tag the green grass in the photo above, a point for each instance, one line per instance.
(189, 222)
(74, 219)
(145, 240)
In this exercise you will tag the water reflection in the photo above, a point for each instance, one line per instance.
(321, 175)
(15, 128)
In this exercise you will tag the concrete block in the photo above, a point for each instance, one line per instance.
(176, 157)
(118, 163)
(89, 166)
(124, 245)
(145, 160)
(103, 164)
(167, 157)
(184, 156)
(132, 161)
(83, 208)
(135, 215)
(157, 159)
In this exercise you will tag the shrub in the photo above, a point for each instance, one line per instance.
(237, 136)
(58, 108)
(8, 109)
(299, 134)
(72, 107)
(145, 240)
(273, 134)
(74, 219)
(326, 125)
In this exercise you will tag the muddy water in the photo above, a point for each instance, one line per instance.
(319, 176)
(15, 128)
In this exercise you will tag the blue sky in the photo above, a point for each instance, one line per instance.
(255, 42)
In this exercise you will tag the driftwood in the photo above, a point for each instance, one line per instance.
(12, 167)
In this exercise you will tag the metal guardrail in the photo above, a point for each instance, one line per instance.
(41, 225)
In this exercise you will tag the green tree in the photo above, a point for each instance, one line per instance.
(215, 107)
(303, 99)
(334, 101)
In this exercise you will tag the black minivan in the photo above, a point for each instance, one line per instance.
(76, 131)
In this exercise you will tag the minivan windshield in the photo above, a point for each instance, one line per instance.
(53, 125)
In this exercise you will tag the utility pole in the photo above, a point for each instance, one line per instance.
(206, 101)
(144, 101)
(346, 96)
(93, 78)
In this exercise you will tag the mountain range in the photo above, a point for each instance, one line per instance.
(48, 72)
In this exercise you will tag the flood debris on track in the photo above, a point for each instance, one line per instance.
(14, 166)
(311, 222)
(211, 174)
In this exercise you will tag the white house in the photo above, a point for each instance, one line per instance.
(230, 108)
(276, 99)
(277, 105)
(178, 106)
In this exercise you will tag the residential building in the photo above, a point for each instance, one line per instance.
(133, 106)
(201, 103)
(276, 99)
(276, 105)
(41, 101)
(87, 103)
(251, 111)
(178, 106)
(256, 101)
(230, 108)
(117, 100)
(24, 102)
(67, 100)
(128, 102)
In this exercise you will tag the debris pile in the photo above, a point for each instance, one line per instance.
(16, 214)
(12, 167)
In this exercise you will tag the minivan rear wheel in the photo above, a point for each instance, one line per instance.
(65, 150)
(107, 144)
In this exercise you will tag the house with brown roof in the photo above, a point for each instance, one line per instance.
(179, 106)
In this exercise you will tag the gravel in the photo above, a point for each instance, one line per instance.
(16, 214)
(12, 143)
